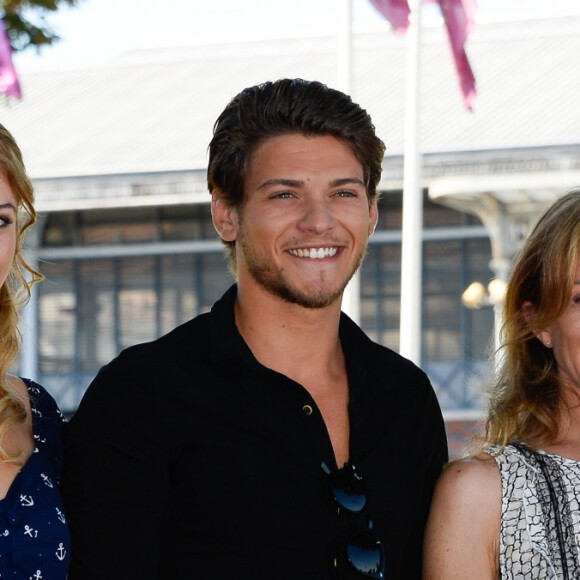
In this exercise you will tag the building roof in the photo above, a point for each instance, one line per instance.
(151, 111)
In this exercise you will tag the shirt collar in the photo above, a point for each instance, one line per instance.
(228, 345)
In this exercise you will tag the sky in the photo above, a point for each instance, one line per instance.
(99, 30)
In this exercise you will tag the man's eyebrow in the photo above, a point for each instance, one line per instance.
(300, 183)
(346, 181)
(281, 181)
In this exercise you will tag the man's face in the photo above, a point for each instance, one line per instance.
(303, 228)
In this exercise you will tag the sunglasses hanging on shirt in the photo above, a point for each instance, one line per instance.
(363, 549)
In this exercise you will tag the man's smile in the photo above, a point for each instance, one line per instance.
(314, 253)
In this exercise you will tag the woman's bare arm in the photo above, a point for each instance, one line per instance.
(462, 535)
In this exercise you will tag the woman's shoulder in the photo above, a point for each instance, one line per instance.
(480, 465)
(25, 389)
(46, 416)
(464, 521)
(470, 486)
(477, 474)
(19, 388)
(41, 401)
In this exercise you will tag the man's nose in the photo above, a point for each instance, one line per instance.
(317, 218)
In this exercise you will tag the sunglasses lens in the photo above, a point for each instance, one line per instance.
(347, 488)
(365, 553)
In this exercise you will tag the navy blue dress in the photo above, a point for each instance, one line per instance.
(34, 537)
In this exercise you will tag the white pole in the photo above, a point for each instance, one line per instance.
(344, 49)
(29, 331)
(351, 297)
(29, 352)
(412, 227)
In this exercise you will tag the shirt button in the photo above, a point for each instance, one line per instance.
(307, 409)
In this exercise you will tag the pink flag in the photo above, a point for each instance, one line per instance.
(458, 16)
(396, 12)
(459, 19)
(8, 79)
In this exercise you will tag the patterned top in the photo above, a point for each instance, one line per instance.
(540, 524)
(34, 537)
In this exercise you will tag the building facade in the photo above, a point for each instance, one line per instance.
(116, 277)
(117, 154)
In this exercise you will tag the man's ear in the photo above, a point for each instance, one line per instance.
(542, 334)
(225, 218)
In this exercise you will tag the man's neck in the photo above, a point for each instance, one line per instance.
(289, 338)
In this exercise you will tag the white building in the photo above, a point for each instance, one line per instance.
(117, 154)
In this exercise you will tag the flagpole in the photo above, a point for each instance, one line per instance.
(412, 227)
(344, 49)
(351, 296)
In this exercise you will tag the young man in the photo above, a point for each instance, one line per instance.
(269, 438)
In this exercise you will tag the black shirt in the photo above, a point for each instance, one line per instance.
(189, 459)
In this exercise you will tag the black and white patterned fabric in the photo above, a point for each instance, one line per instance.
(540, 524)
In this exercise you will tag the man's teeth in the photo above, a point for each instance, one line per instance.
(315, 253)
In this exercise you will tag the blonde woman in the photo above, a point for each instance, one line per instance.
(34, 538)
(513, 509)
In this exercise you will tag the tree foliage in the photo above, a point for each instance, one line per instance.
(26, 24)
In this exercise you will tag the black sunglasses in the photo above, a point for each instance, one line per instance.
(364, 549)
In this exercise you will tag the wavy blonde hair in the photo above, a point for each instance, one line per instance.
(15, 292)
(525, 399)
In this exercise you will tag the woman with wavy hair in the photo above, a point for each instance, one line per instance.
(34, 538)
(512, 509)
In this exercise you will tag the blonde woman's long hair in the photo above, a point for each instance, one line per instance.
(525, 399)
(15, 292)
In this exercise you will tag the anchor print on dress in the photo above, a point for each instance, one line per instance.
(26, 500)
(37, 576)
(28, 531)
(40, 439)
(61, 552)
(60, 516)
(46, 480)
